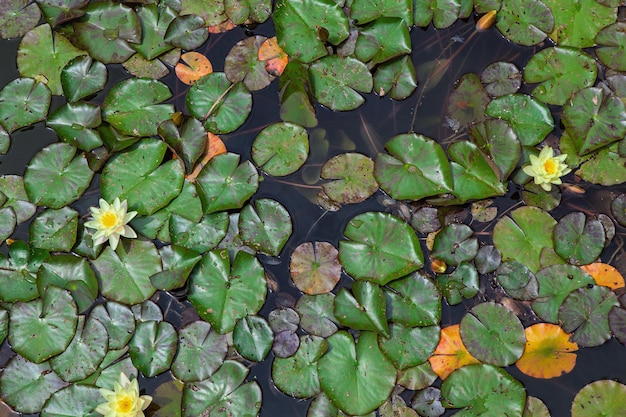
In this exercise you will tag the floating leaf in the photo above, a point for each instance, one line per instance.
(43, 55)
(221, 105)
(525, 22)
(468, 100)
(186, 31)
(414, 301)
(603, 397)
(316, 312)
(201, 236)
(23, 101)
(337, 81)
(44, 327)
(280, 148)
(17, 18)
(286, 344)
(380, 248)
(455, 244)
(178, 262)
(153, 347)
(148, 310)
(124, 274)
(134, 106)
(154, 69)
(427, 402)
(578, 26)
(362, 308)
(577, 239)
(242, 64)
(242, 12)
(450, 353)
(618, 208)
(524, 235)
(365, 11)
(605, 167)
(18, 272)
(71, 273)
(82, 77)
(192, 67)
(283, 318)
(198, 344)
(75, 124)
(496, 139)
(72, 401)
(417, 167)
(548, 352)
(501, 78)
(351, 178)
(252, 337)
(315, 268)
(273, 56)
(118, 321)
(605, 275)
(417, 377)
(535, 408)
(297, 23)
(461, 283)
(409, 346)
(534, 195)
(486, 388)
(297, 375)
(396, 78)
(517, 280)
(561, 71)
(54, 230)
(383, 39)
(443, 13)
(154, 23)
(189, 140)
(612, 40)
(357, 379)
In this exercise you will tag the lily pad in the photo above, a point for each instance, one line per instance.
(365, 11)
(54, 230)
(316, 313)
(15, 197)
(427, 402)
(72, 401)
(395, 78)
(383, 39)
(500, 142)
(153, 346)
(297, 375)
(44, 327)
(315, 268)
(75, 124)
(468, 100)
(198, 344)
(71, 273)
(417, 167)
(443, 13)
(578, 26)
(549, 353)
(337, 81)
(461, 283)
(201, 236)
(189, 140)
(295, 95)
(450, 354)
(357, 378)
(501, 78)
(17, 18)
(605, 167)
(561, 71)
(351, 178)
(612, 41)
(362, 308)
(455, 244)
(82, 77)
(407, 347)
(577, 239)
(517, 280)
(380, 248)
(18, 272)
(604, 397)
(178, 262)
(414, 301)
(186, 31)
(23, 101)
(241, 12)
(242, 64)
(252, 337)
(118, 320)
(154, 23)
(281, 148)
(525, 22)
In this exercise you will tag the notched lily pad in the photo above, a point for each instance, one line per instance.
(281, 148)
(242, 64)
(351, 178)
(315, 267)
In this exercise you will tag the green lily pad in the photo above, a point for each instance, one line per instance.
(555, 284)
(407, 347)
(351, 178)
(316, 314)
(488, 259)
(187, 32)
(497, 139)
(396, 78)
(383, 39)
(594, 119)
(365, 11)
(241, 12)
(603, 397)
(42, 55)
(561, 71)
(579, 240)
(137, 175)
(44, 327)
(155, 68)
(224, 393)
(72, 401)
(211, 11)
(321, 406)
(84, 353)
(612, 41)
(337, 81)
(524, 235)
(118, 321)
(242, 64)
(381, 248)
(178, 262)
(18, 272)
(618, 208)
(525, 22)
(5, 140)
(153, 346)
(417, 167)
(534, 195)
(134, 106)
(54, 230)
(517, 280)
(605, 167)
(482, 390)
(148, 310)
(15, 196)
(26, 386)
(297, 23)
(71, 273)
(297, 375)
(584, 313)
(362, 308)
(106, 31)
(455, 244)
(154, 23)
(17, 18)
(8, 221)
(253, 337)
(414, 301)
(357, 378)
(578, 26)
(222, 292)
(530, 119)
(124, 274)
(23, 101)
(74, 123)
(501, 78)
(82, 77)
(265, 226)
(222, 106)
(280, 148)
(493, 334)
(4, 324)
(295, 95)
(417, 377)
(57, 12)
(468, 100)
(200, 236)
(461, 283)
(443, 13)
(189, 140)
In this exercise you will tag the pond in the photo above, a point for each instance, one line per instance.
(382, 226)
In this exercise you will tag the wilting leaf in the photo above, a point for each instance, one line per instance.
(450, 353)
(548, 352)
(315, 268)
(192, 67)
(605, 275)
(273, 56)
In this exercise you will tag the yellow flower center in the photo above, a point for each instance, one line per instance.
(109, 219)
(124, 404)
(550, 166)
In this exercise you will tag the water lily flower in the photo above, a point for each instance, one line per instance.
(546, 168)
(124, 401)
(110, 222)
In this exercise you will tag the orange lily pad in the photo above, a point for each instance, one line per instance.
(450, 353)
(275, 58)
(548, 352)
(605, 275)
(225, 26)
(194, 66)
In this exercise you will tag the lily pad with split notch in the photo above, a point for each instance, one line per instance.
(525, 22)
(253, 337)
(455, 244)
(606, 167)
(75, 400)
(265, 226)
(414, 301)
(18, 17)
(297, 375)
(286, 344)
(461, 283)
(612, 45)
(603, 397)
(442, 13)
(75, 124)
(517, 280)
(578, 26)
(578, 239)
(155, 21)
(406, 347)
(365, 11)
(338, 81)
(362, 308)
(534, 195)
(383, 39)
(351, 178)
(315, 267)
(200, 236)
(71, 273)
(468, 100)
(281, 148)
(242, 64)
(118, 320)
(501, 78)
(201, 351)
(316, 314)
(395, 78)
(23, 101)
(54, 230)
(189, 140)
(177, 262)
(153, 346)
(242, 12)
(186, 31)
(498, 140)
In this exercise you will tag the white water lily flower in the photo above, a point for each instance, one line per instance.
(110, 222)
(546, 168)
(124, 401)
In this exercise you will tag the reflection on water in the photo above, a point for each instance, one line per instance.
(364, 130)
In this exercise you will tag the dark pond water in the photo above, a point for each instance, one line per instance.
(382, 118)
